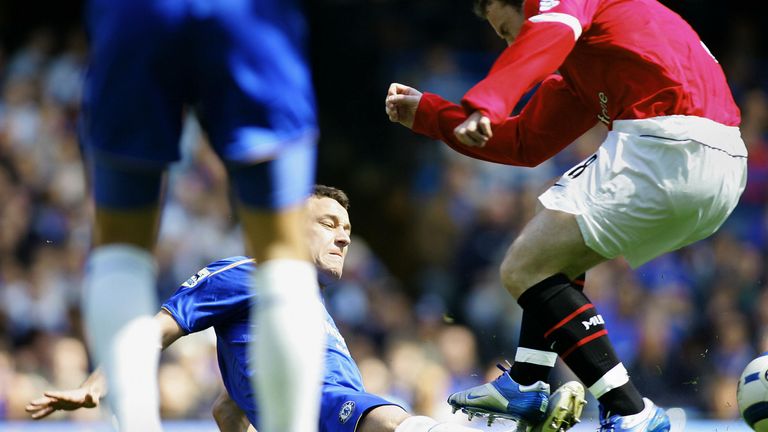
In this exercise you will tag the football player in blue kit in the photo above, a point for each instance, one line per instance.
(219, 296)
(240, 66)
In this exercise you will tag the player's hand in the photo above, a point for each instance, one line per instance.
(66, 400)
(475, 131)
(401, 104)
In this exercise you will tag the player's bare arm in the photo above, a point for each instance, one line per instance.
(95, 386)
(228, 416)
(86, 396)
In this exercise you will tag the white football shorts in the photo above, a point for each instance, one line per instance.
(654, 185)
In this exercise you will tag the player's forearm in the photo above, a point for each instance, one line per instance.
(96, 384)
(437, 118)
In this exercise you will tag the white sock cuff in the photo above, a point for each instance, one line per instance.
(537, 357)
(285, 279)
(416, 424)
(614, 378)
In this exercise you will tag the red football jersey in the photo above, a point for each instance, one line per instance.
(617, 60)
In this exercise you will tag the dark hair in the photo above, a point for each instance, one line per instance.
(481, 6)
(322, 191)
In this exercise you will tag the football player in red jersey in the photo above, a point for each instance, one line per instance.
(669, 173)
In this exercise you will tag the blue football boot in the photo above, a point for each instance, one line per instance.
(504, 398)
(650, 419)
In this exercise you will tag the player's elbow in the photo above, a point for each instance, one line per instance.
(529, 160)
(228, 416)
(220, 412)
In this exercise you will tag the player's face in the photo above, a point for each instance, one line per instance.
(329, 231)
(505, 20)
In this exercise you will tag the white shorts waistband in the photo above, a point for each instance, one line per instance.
(681, 127)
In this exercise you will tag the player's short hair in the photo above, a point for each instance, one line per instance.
(481, 6)
(322, 191)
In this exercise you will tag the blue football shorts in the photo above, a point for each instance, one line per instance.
(341, 408)
(239, 64)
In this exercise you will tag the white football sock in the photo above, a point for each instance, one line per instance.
(289, 345)
(426, 424)
(119, 302)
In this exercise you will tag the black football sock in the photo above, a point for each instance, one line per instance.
(574, 329)
(534, 359)
(579, 281)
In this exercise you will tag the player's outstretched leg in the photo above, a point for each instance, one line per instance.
(504, 398)
(651, 419)
(427, 424)
(119, 303)
(564, 409)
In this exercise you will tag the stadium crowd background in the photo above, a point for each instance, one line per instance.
(420, 303)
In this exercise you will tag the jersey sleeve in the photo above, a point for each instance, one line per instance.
(545, 40)
(552, 119)
(209, 297)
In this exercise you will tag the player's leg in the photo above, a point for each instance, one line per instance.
(417, 424)
(392, 418)
(289, 320)
(546, 256)
(385, 418)
(539, 269)
(130, 124)
(259, 110)
(534, 359)
(119, 294)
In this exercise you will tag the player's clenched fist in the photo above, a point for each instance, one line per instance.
(401, 104)
(475, 131)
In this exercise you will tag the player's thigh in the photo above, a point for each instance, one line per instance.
(135, 83)
(255, 87)
(271, 198)
(382, 419)
(550, 243)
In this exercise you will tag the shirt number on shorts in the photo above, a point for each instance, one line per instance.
(579, 169)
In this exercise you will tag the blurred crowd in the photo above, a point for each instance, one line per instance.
(420, 303)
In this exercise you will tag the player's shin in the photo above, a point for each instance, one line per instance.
(289, 345)
(119, 303)
(576, 331)
(534, 359)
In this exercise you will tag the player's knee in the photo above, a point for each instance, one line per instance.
(219, 410)
(511, 276)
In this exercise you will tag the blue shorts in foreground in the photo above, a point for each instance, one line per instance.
(239, 64)
(341, 408)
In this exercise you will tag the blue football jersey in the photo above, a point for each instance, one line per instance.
(220, 296)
